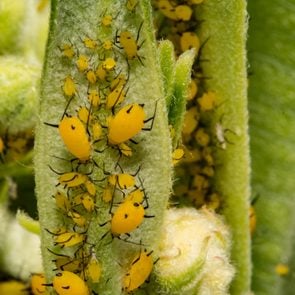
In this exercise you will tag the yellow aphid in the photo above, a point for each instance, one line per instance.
(86, 200)
(200, 182)
(139, 271)
(208, 101)
(107, 45)
(125, 149)
(252, 219)
(123, 180)
(18, 144)
(189, 40)
(167, 9)
(93, 269)
(128, 122)
(197, 197)
(89, 43)
(101, 73)
(68, 283)
(91, 76)
(127, 217)
(64, 262)
(183, 12)
(192, 156)
(72, 179)
(109, 64)
(282, 269)
(202, 137)
(192, 90)
(15, 288)
(37, 281)
(191, 119)
(115, 97)
(129, 44)
(177, 155)
(68, 239)
(2, 146)
(131, 4)
(207, 155)
(90, 186)
(68, 50)
(214, 201)
(69, 87)
(84, 114)
(108, 193)
(75, 137)
(93, 97)
(119, 81)
(135, 196)
(82, 63)
(96, 131)
(77, 218)
(208, 170)
(62, 201)
(107, 20)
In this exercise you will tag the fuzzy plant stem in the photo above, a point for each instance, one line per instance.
(224, 64)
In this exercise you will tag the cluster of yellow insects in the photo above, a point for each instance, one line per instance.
(179, 26)
(178, 23)
(83, 134)
(13, 146)
(101, 124)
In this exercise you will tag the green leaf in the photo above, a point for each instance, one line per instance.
(167, 61)
(272, 123)
(72, 21)
(177, 106)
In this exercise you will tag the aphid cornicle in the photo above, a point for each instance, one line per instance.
(127, 123)
(139, 271)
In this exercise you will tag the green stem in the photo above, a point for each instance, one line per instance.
(225, 24)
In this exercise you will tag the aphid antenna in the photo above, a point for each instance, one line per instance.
(56, 172)
(198, 59)
(151, 118)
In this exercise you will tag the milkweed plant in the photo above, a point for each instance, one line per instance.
(146, 147)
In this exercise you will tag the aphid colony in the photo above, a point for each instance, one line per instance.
(177, 22)
(103, 121)
(14, 146)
